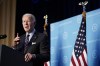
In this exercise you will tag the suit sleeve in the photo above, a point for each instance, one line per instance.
(19, 47)
(44, 50)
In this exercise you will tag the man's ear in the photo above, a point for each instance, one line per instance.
(34, 24)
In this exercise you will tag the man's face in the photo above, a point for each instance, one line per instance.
(27, 23)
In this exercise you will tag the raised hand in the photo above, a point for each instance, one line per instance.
(16, 40)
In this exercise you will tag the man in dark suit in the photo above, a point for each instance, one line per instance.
(33, 44)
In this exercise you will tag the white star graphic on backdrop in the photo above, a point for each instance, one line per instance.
(94, 27)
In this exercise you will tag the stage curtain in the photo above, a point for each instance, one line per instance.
(7, 20)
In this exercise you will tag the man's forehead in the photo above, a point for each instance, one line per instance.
(27, 16)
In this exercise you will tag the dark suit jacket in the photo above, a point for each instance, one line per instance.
(38, 45)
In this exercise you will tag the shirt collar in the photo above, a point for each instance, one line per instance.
(30, 34)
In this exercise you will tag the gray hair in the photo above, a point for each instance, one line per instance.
(32, 17)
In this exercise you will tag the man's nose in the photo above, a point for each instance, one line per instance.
(26, 23)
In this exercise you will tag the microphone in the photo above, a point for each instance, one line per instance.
(3, 36)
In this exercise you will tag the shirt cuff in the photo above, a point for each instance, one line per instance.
(34, 56)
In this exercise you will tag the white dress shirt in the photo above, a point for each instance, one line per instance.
(30, 34)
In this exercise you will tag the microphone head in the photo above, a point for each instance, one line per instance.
(3, 36)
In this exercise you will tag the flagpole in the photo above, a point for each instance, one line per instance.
(45, 24)
(84, 8)
(45, 32)
(79, 54)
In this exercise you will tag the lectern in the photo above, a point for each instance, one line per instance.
(10, 57)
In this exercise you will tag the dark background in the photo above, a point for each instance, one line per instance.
(55, 9)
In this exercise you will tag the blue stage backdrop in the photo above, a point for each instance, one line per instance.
(64, 34)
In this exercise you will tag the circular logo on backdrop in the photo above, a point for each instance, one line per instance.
(65, 59)
(94, 54)
(65, 35)
(94, 27)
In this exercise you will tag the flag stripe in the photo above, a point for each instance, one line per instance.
(73, 63)
(82, 62)
(85, 55)
(79, 62)
(75, 60)
(47, 63)
(84, 58)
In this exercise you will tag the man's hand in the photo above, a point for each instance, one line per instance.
(16, 40)
(28, 57)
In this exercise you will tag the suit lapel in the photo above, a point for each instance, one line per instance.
(33, 39)
(22, 42)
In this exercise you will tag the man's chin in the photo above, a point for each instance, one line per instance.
(26, 30)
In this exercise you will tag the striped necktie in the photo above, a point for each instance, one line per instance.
(26, 43)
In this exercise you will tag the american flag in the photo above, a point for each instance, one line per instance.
(79, 54)
(47, 63)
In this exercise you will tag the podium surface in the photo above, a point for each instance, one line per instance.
(10, 57)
